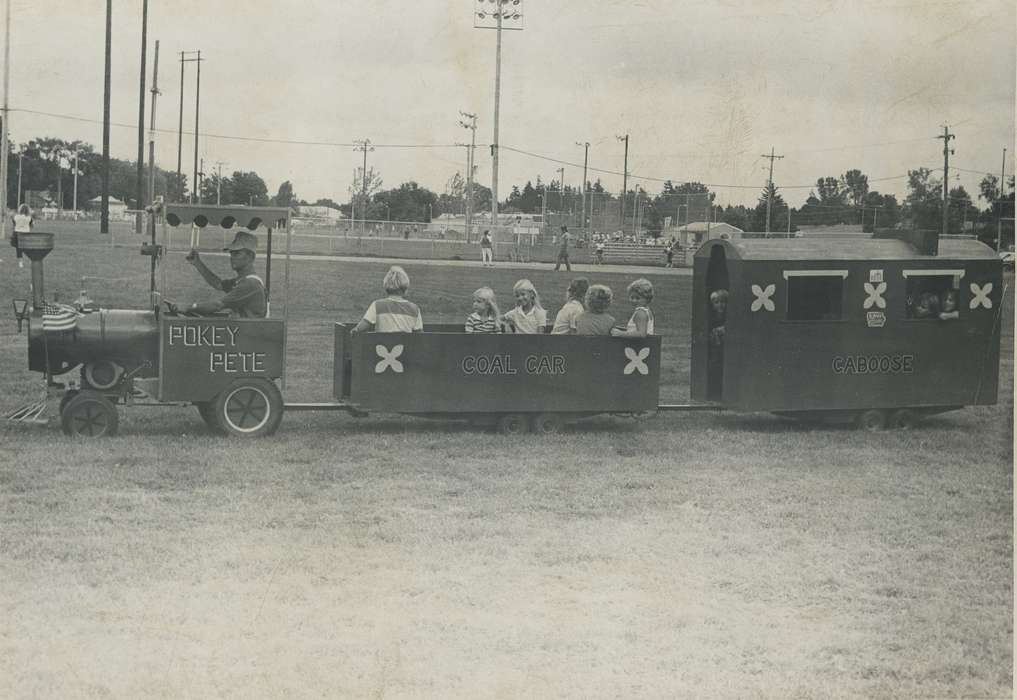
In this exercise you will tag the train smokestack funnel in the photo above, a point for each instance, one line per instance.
(36, 246)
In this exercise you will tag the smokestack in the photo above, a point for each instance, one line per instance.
(36, 246)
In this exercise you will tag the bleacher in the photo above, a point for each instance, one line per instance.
(637, 254)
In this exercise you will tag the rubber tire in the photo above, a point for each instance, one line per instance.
(67, 397)
(872, 420)
(252, 397)
(207, 413)
(546, 424)
(89, 414)
(90, 368)
(903, 419)
(513, 424)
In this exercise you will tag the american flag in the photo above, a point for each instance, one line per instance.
(59, 317)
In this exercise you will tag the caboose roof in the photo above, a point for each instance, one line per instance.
(798, 249)
(206, 214)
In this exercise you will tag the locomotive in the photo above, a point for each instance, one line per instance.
(814, 329)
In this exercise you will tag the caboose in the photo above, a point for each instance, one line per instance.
(842, 330)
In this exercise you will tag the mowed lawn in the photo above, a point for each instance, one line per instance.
(686, 555)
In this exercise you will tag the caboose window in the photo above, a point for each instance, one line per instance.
(932, 294)
(815, 295)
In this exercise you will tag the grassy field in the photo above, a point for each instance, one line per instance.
(681, 556)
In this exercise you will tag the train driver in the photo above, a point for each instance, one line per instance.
(245, 293)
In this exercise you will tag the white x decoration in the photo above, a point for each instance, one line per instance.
(763, 300)
(875, 295)
(637, 361)
(388, 359)
(981, 297)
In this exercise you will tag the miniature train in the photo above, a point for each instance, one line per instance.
(813, 329)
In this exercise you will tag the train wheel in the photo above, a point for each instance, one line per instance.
(872, 420)
(249, 408)
(207, 412)
(903, 419)
(101, 375)
(65, 398)
(89, 414)
(546, 423)
(512, 424)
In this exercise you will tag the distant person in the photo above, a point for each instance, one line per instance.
(599, 251)
(563, 251)
(485, 315)
(528, 316)
(393, 314)
(669, 253)
(486, 249)
(406, 234)
(245, 293)
(23, 223)
(565, 321)
(640, 323)
(595, 320)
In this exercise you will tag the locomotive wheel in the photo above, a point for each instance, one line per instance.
(89, 414)
(207, 412)
(546, 423)
(249, 408)
(512, 424)
(872, 420)
(101, 375)
(903, 419)
(65, 398)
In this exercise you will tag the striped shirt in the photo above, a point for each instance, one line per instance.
(394, 315)
(476, 324)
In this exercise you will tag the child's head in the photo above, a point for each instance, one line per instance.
(950, 300)
(23, 209)
(484, 303)
(598, 298)
(641, 292)
(927, 305)
(526, 294)
(718, 302)
(577, 288)
(396, 280)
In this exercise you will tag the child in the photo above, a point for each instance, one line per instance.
(393, 314)
(595, 320)
(565, 321)
(949, 306)
(927, 306)
(600, 253)
(669, 251)
(23, 222)
(640, 324)
(528, 316)
(484, 318)
(718, 316)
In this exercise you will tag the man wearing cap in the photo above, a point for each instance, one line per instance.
(245, 293)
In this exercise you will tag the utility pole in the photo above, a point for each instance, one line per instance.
(75, 200)
(151, 126)
(586, 160)
(4, 131)
(185, 57)
(472, 126)
(197, 113)
(21, 157)
(218, 182)
(201, 176)
(999, 204)
(104, 209)
(364, 146)
(561, 192)
(180, 124)
(140, 180)
(494, 146)
(625, 178)
(946, 176)
(769, 188)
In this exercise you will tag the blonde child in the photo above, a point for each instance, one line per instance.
(595, 320)
(640, 324)
(484, 318)
(393, 314)
(528, 316)
(949, 310)
(565, 321)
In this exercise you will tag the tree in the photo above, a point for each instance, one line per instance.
(285, 196)
(362, 187)
(248, 188)
(408, 202)
(778, 210)
(855, 186)
(923, 200)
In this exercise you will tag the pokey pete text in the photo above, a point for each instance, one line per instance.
(213, 336)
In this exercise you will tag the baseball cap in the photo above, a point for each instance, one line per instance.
(244, 241)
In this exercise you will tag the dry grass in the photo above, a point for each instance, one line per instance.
(694, 555)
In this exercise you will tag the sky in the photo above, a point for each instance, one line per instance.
(703, 89)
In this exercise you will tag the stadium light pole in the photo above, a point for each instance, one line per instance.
(104, 207)
(6, 116)
(625, 179)
(586, 160)
(140, 180)
(472, 126)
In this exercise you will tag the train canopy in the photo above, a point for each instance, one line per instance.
(202, 215)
